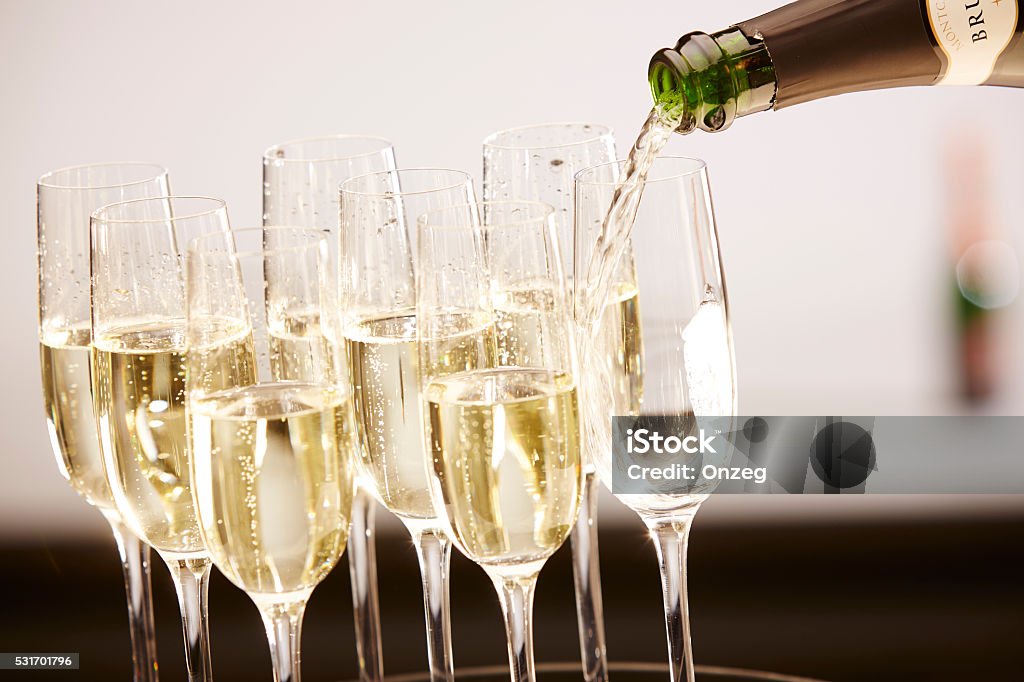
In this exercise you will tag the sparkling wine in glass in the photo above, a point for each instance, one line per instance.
(378, 295)
(300, 187)
(538, 163)
(683, 359)
(498, 378)
(66, 198)
(140, 362)
(272, 425)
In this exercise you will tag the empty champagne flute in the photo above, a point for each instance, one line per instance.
(538, 163)
(378, 294)
(66, 199)
(686, 367)
(139, 360)
(271, 420)
(300, 187)
(498, 379)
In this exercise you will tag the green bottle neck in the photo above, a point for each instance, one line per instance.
(709, 80)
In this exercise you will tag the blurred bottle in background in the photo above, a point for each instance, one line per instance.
(985, 271)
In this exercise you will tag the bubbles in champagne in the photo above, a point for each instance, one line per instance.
(506, 453)
(140, 392)
(384, 358)
(67, 392)
(527, 328)
(274, 483)
(298, 348)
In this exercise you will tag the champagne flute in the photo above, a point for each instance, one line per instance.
(300, 187)
(686, 345)
(271, 421)
(538, 162)
(66, 198)
(378, 295)
(139, 374)
(497, 371)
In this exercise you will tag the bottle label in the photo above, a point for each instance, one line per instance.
(972, 34)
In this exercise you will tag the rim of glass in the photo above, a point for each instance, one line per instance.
(540, 212)
(48, 179)
(270, 154)
(601, 130)
(695, 167)
(319, 240)
(465, 177)
(218, 205)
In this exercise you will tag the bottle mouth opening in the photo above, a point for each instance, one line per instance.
(666, 70)
(666, 75)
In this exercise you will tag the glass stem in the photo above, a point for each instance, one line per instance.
(192, 583)
(362, 566)
(284, 630)
(671, 538)
(434, 550)
(516, 594)
(586, 571)
(135, 556)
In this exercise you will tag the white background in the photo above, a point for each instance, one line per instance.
(831, 215)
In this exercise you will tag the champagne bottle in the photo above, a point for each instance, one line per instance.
(817, 48)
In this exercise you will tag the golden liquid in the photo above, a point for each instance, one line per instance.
(506, 453)
(273, 483)
(528, 330)
(620, 341)
(299, 351)
(384, 361)
(139, 384)
(67, 394)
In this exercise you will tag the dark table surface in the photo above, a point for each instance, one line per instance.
(939, 600)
